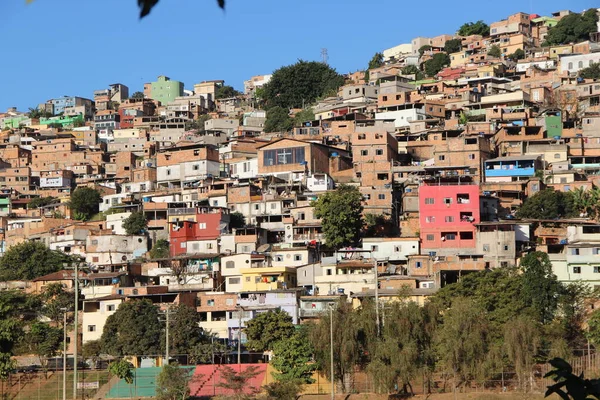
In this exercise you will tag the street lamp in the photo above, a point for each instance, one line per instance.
(75, 264)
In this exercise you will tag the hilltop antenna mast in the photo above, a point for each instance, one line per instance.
(324, 55)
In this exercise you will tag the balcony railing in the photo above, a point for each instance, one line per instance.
(181, 211)
(308, 312)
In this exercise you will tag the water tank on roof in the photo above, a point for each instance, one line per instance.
(334, 154)
(340, 290)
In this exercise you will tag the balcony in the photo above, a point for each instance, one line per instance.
(509, 168)
(182, 211)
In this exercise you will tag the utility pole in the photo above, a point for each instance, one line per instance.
(331, 351)
(376, 293)
(76, 330)
(167, 339)
(64, 388)
(239, 360)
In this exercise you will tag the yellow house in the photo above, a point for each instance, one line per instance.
(269, 278)
(458, 59)
(556, 51)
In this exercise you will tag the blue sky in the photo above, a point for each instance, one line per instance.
(73, 47)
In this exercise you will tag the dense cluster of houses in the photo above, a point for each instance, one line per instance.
(447, 160)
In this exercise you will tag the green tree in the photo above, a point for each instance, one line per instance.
(160, 249)
(282, 390)
(541, 289)
(44, 341)
(306, 115)
(57, 300)
(436, 64)
(517, 55)
(424, 48)
(452, 46)
(547, 204)
(413, 70)
(278, 120)
(347, 347)
(134, 329)
(29, 260)
(237, 220)
(36, 113)
(593, 331)
(573, 28)
(85, 202)
(292, 358)
(138, 95)
(267, 328)
(185, 332)
(494, 51)
(591, 72)
(239, 382)
(522, 341)
(301, 83)
(226, 91)
(136, 223)
(376, 61)
(173, 383)
(474, 28)
(463, 342)
(341, 216)
(91, 350)
(122, 369)
(38, 202)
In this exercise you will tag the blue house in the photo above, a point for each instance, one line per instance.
(507, 169)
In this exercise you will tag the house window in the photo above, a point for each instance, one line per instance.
(374, 248)
(486, 247)
(378, 152)
(195, 167)
(441, 158)
(209, 246)
(430, 219)
(448, 200)
(471, 156)
(297, 257)
(575, 252)
(110, 307)
(230, 264)
(597, 270)
(596, 251)
(364, 152)
(381, 196)
(290, 155)
(234, 281)
(430, 237)
(202, 225)
(210, 303)
(384, 98)
(91, 328)
(397, 249)
(429, 200)
(505, 248)
(278, 257)
(449, 218)
(168, 172)
(418, 264)
(556, 155)
(449, 236)
(576, 270)
(466, 236)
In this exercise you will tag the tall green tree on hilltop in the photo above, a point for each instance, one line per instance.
(474, 28)
(299, 84)
(452, 46)
(573, 28)
(341, 216)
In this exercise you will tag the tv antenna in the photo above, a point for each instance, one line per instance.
(324, 56)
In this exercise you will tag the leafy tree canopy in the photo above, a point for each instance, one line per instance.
(541, 289)
(547, 204)
(134, 329)
(452, 46)
(591, 72)
(160, 249)
(268, 328)
(293, 358)
(494, 51)
(226, 91)
(301, 83)
(85, 202)
(474, 28)
(278, 120)
(137, 95)
(413, 70)
(376, 61)
(29, 260)
(341, 216)
(517, 55)
(40, 202)
(303, 116)
(424, 48)
(185, 332)
(237, 220)
(135, 224)
(573, 28)
(436, 64)
(173, 383)
(122, 369)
